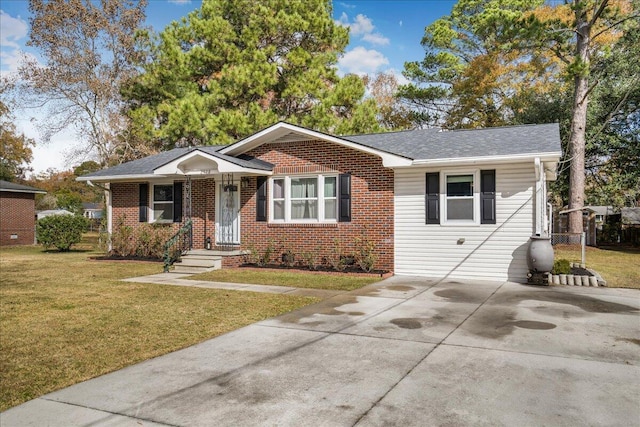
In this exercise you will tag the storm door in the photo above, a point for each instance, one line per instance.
(227, 213)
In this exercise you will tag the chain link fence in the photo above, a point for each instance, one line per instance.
(569, 246)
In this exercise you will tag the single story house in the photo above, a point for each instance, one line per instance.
(17, 214)
(456, 204)
(92, 210)
(50, 212)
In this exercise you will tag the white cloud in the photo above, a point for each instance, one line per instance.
(376, 38)
(362, 61)
(347, 5)
(362, 27)
(179, 2)
(13, 29)
(10, 61)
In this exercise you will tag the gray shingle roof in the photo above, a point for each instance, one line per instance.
(147, 165)
(431, 144)
(18, 188)
(423, 144)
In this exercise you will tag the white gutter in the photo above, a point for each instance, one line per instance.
(9, 190)
(508, 158)
(110, 178)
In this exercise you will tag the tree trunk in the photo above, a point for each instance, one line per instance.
(577, 140)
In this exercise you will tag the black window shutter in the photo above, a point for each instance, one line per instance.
(344, 198)
(143, 202)
(261, 201)
(488, 196)
(177, 201)
(432, 198)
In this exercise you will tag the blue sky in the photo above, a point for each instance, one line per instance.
(384, 34)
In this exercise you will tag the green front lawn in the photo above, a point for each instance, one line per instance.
(296, 279)
(618, 266)
(65, 318)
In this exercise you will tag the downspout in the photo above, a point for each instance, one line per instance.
(540, 207)
(107, 193)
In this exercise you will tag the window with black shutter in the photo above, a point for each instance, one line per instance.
(344, 197)
(488, 196)
(143, 202)
(432, 198)
(177, 202)
(261, 199)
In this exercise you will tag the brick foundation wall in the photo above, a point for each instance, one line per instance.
(17, 217)
(371, 202)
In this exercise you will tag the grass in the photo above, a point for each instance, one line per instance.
(298, 279)
(618, 266)
(65, 318)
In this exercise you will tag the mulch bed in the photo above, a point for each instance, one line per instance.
(320, 270)
(124, 259)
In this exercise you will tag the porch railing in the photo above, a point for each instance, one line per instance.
(178, 244)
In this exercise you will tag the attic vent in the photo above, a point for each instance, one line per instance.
(292, 137)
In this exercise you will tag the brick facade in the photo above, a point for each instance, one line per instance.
(371, 201)
(125, 207)
(17, 218)
(372, 208)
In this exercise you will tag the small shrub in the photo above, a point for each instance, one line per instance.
(561, 266)
(265, 258)
(288, 258)
(310, 258)
(143, 241)
(61, 231)
(253, 256)
(365, 256)
(122, 241)
(337, 260)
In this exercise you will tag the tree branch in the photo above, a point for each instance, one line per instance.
(598, 12)
(608, 27)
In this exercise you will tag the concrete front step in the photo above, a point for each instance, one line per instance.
(198, 261)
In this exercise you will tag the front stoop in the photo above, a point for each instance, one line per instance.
(198, 261)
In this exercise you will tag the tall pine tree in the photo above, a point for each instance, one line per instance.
(233, 67)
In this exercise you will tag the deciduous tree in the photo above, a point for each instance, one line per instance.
(15, 148)
(88, 51)
(393, 114)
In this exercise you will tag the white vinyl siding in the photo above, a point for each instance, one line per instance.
(489, 251)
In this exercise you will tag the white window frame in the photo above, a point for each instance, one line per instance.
(444, 197)
(320, 219)
(152, 203)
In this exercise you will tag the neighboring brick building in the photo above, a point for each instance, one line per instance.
(456, 204)
(17, 214)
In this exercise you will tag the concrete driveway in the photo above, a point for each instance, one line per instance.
(405, 351)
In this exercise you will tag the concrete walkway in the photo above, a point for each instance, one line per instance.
(405, 351)
(178, 279)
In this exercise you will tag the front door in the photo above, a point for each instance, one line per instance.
(227, 215)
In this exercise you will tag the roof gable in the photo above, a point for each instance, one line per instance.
(158, 164)
(287, 133)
